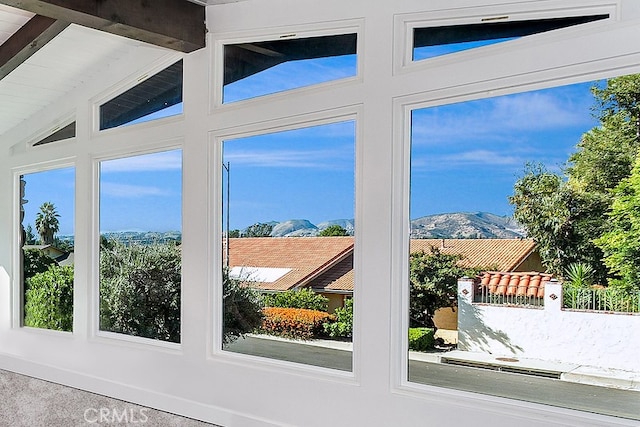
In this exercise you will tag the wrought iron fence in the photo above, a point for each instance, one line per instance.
(605, 299)
(483, 295)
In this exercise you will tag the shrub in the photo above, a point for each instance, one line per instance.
(49, 299)
(35, 261)
(140, 290)
(421, 339)
(242, 309)
(296, 323)
(343, 326)
(297, 298)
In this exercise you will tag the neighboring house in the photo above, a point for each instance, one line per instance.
(275, 264)
(325, 264)
(58, 255)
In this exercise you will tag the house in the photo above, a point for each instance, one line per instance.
(76, 75)
(49, 250)
(325, 264)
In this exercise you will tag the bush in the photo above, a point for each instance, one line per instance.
(35, 261)
(49, 299)
(343, 326)
(242, 309)
(140, 290)
(421, 339)
(296, 323)
(297, 298)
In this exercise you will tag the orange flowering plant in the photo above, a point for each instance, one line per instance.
(296, 323)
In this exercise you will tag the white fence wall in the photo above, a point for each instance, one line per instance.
(605, 340)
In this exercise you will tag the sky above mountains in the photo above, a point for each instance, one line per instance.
(465, 157)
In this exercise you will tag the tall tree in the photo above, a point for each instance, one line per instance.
(47, 223)
(564, 213)
(621, 244)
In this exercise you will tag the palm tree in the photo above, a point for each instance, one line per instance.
(47, 223)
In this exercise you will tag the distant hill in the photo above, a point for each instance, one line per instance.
(459, 225)
(466, 225)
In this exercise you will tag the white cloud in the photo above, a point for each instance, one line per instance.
(501, 118)
(164, 161)
(316, 159)
(130, 191)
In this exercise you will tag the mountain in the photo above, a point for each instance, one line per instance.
(466, 225)
(294, 228)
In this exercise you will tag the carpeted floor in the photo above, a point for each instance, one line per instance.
(29, 402)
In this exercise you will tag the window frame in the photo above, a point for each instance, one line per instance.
(216, 78)
(17, 288)
(215, 350)
(127, 84)
(108, 337)
(403, 109)
(405, 24)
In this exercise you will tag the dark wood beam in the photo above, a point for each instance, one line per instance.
(29, 38)
(174, 24)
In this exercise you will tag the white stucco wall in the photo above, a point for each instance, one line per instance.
(603, 340)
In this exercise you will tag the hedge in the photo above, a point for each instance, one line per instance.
(296, 323)
(421, 339)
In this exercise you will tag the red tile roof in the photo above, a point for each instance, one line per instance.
(495, 254)
(521, 284)
(326, 263)
(307, 257)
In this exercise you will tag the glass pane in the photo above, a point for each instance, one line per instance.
(47, 225)
(68, 131)
(513, 192)
(261, 68)
(290, 298)
(430, 42)
(140, 237)
(158, 96)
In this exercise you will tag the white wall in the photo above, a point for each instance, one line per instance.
(604, 340)
(197, 379)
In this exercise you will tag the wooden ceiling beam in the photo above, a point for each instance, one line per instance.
(174, 24)
(29, 38)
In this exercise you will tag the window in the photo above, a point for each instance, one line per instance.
(158, 96)
(429, 42)
(542, 158)
(47, 241)
(140, 236)
(59, 134)
(254, 69)
(288, 258)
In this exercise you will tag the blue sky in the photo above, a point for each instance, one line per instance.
(465, 157)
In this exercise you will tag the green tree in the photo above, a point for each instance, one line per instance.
(433, 281)
(242, 309)
(297, 298)
(565, 213)
(29, 237)
(140, 289)
(343, 325)
(47, 223)
(621, 244)
(49, 299)
(258, 229)
(333, 230)
(35, 262)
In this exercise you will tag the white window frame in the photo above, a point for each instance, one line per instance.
(214, 334)
(405, 25)
(98, 335)
(282, 33)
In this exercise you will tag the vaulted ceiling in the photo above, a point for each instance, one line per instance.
(49, 47)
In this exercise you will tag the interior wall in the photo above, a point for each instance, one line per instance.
(198, 380)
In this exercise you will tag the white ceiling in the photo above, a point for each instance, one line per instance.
(73, 57)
